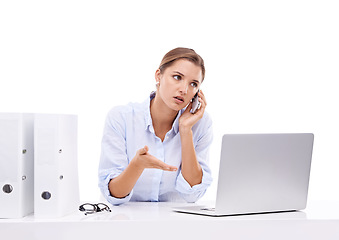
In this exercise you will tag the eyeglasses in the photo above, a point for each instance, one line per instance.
(90, 208)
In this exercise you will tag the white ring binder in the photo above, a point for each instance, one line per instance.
(16, 164)
(56, 187)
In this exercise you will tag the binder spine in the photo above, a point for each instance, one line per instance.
(16, 165)
(56, 187)
(27, 175)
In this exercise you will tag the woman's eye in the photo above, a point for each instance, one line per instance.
(194, 84)
(177, 77)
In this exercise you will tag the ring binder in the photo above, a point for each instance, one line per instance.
(16, 164)
(56, 187)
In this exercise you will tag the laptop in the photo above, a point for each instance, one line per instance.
(261, 173)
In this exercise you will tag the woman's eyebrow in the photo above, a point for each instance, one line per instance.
(179, 73)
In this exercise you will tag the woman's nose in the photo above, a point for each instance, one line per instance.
(183, 87)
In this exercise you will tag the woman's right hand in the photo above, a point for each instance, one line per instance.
(144, 160)
(123, 184)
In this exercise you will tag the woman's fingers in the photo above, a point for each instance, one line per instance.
(202, 100)
(170, 168)
(149, 161)
(201, 95)
(161, 165)
(143, 150)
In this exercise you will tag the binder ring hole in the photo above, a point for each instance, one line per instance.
(24, 151)
(46, 195)
(7, 188)
(60, 150)
(61, 177)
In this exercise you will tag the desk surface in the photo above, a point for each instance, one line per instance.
(320, 220)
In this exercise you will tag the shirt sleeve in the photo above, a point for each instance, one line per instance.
(203, 142)
(113, 160)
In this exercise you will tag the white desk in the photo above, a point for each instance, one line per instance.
(320, 220)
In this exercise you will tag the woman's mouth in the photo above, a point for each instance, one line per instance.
(179, 99)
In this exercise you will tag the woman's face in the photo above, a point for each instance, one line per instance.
(179, 83)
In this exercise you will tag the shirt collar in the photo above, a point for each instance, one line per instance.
(175, 126)
(148, 118)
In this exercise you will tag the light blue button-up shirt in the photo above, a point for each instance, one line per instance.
(128, 129)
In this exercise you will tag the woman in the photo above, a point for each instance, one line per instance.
(158, 150)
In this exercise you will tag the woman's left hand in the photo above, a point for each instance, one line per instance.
(188, 119)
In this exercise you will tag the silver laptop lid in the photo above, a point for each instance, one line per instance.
(264, 172)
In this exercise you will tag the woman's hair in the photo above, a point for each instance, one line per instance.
(182, 53)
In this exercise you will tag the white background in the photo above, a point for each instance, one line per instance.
(271, 66)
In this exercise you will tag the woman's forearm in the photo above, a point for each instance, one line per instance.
(123, 184)
(190, 167)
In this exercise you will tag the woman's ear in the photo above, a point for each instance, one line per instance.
(157, 75)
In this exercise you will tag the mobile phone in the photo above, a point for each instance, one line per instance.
(195, 103)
